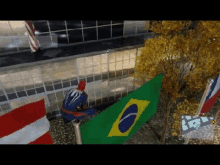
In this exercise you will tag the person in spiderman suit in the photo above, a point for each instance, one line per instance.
(74, 101)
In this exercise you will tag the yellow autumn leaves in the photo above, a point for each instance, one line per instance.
(162, 53)
(165, 27)
(173, 51)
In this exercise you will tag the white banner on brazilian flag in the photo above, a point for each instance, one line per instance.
(196, 127)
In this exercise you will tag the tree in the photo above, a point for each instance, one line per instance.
(187, 53)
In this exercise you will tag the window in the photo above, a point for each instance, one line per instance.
(114, 22)
(89, 23)
(73, 24)
(90, 34)
(75, 36)
(117, 30)
(41, 26)
(104, 23)
(104, 32)
(57, 25)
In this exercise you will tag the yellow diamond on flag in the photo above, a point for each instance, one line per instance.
(128, 117)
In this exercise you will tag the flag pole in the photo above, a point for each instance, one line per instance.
(76, 125)
(202, 101)
(208, 86)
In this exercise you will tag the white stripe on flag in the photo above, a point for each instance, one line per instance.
(29, 133)
(28, 27)
(127, 117)
(216, 87)
(32, 49)
(32, 38)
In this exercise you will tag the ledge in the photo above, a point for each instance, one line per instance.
(25, 57)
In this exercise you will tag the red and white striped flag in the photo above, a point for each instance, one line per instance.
(34, 43)
(212, 95)
(26, 125)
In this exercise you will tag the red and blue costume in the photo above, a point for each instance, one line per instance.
(76, 98)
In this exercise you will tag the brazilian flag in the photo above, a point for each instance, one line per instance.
(119, 122)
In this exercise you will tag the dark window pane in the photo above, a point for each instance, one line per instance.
(104, 76)
(66, 84)
(9, 90)
(90, 34)
(41, 26)
(89, 79)
(57, 25)
(119, 73)
(22, 94)
(12, 96)
(114, 22)
(75, 36)
(40, 90)
(74, 82)
(3, 98)
(98, 77)
(58, 86)
(31, 92)
(61, 37)
(111, 74)
(73, 24)
(89, 23)
(104, 22)
(49, 88)
(117, 30)
(104, 32)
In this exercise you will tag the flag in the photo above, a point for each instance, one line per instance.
(33, 42)
(212, 95)
(26, 125)
(197, 127)
(121, 120)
